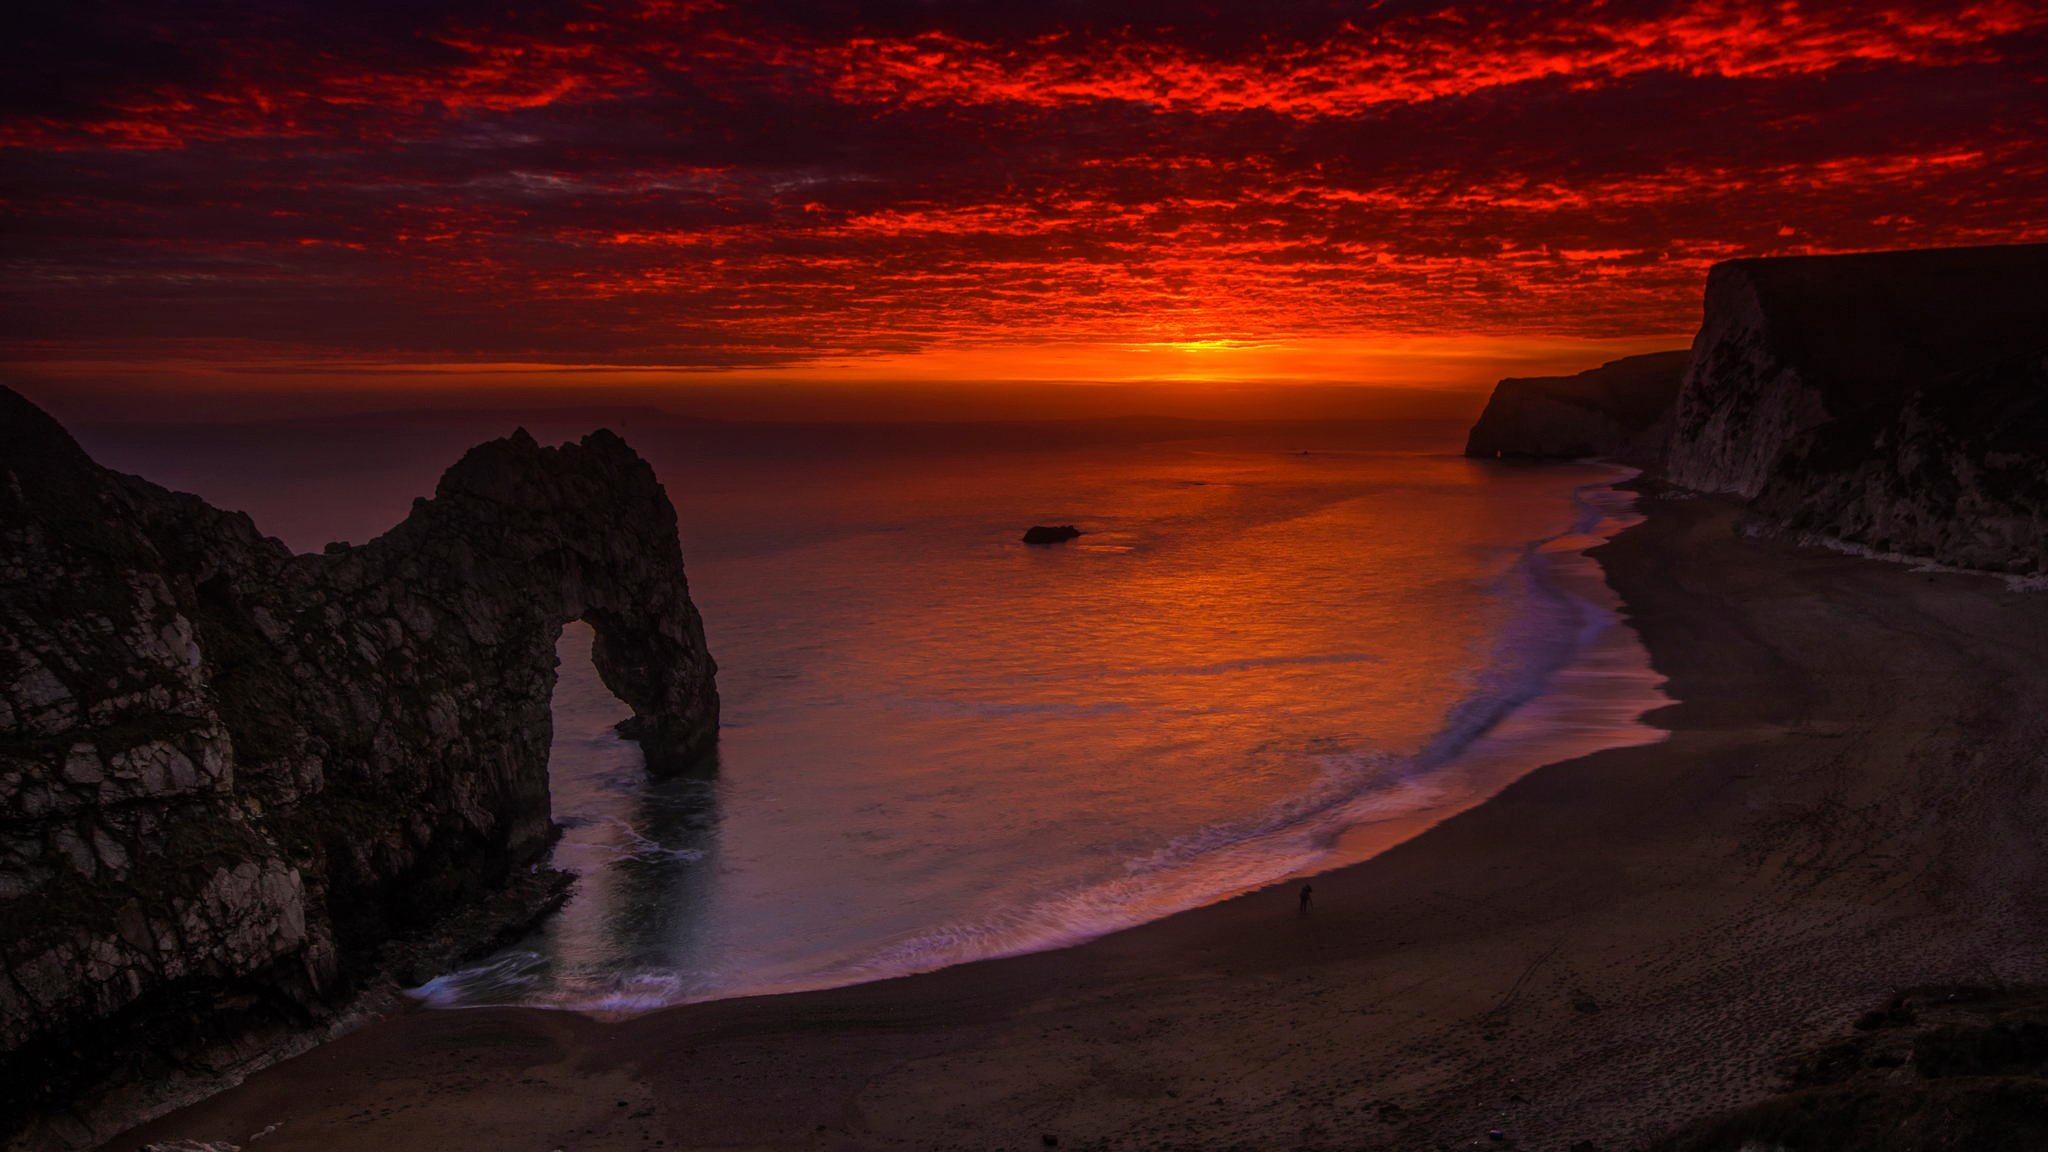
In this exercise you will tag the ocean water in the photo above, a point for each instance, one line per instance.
(1275, 650)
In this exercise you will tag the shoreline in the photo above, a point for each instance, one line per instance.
(1612, 945)
(1591, 698)
(1596, 700)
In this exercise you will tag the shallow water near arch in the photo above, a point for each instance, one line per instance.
(1265, 657)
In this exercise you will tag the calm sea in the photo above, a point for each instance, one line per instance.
(1276, 649)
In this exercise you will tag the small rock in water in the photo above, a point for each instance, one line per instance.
(1050, 533)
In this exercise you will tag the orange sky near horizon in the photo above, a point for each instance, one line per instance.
(231, 199)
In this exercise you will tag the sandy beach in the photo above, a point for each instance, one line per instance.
(1849, 803)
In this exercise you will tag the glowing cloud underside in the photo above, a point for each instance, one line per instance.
(996, 191)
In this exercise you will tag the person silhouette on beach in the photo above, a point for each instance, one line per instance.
(1308, 892)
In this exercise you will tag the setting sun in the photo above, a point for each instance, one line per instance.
(1108, 576)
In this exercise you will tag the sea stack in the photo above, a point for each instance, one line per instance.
(230, 775)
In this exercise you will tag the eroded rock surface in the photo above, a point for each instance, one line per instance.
(1889, 399)
(229, 774)
(1893, 400)
(1959, 473)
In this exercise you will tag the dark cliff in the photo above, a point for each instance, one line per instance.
(1620, 411)
(1889, 399)
(1895, 400)
(229, 775)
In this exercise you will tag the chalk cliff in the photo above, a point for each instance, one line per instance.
(1959, 473)
(229, 774)
(1889, 399)
(1895, 400)
(1620, 411)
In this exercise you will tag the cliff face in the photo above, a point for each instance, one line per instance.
(1620, 410)
(1790, 344)
(229, 774)
(1892, 399)
(1959, 473)
(1897, 400)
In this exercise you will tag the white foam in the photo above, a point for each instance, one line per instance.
(1552, 629)
(2014, 582)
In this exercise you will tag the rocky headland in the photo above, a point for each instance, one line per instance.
(1896, 401)
(231, 777)
(1619, 411)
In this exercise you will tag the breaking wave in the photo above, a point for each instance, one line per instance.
(1550, 627)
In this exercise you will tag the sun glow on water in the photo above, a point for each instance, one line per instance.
(944, 745)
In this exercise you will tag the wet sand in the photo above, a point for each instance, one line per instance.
(1851, 801)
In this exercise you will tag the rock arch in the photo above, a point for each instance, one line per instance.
(229, 775)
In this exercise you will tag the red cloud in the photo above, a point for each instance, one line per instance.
(1431, 57)
(709, 186)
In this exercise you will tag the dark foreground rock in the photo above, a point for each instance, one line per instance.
(231, 777)
(1939, 1069)
(1620, 411)
(1051, 534)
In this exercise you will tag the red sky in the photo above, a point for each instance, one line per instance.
(383, 195)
